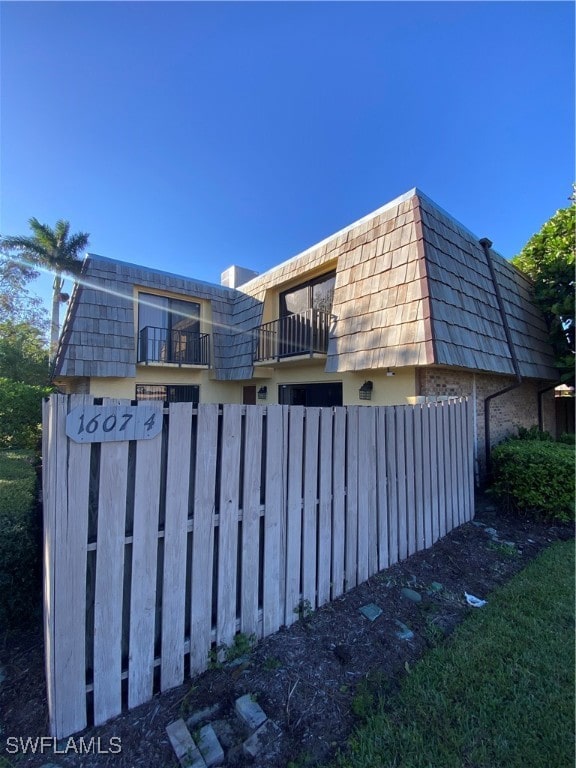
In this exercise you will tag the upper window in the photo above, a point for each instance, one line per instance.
(169, 331)
(314, 294)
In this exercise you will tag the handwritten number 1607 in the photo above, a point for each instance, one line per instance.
(110, 422)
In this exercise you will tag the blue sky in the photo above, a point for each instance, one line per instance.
(191, 136)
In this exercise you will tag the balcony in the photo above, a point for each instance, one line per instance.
(160, 345)
(301, 334)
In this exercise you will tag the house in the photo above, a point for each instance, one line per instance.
(403, 306)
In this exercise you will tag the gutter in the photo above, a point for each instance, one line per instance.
(486, 245)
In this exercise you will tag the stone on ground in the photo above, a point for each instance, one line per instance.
(250, 711)
(261, 739)
(210, 747)
(183, 744)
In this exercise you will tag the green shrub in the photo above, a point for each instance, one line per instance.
(535, 476)
(568, 438)
(20, 544)
(534, 433)
(20, 414)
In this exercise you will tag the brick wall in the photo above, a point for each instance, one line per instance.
(517, 408)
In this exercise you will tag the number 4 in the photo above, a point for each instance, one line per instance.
(149, 423)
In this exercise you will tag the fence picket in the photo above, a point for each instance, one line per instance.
(272, 522)
(310, 515)
(382, 488)
(251, 520)
(175, 545)
(428, 501)
(228, 524)
(401, 477)
(144, 564)
(71, 539)
(294, 514)
(392, 485)
(418, 471)
(203, 539)
(410, 480)
(352, 498)
(325, 507)
(109, 583)
(338, 502)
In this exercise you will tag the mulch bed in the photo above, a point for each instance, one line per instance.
(307, 677)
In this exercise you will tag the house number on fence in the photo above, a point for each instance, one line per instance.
(101, 424)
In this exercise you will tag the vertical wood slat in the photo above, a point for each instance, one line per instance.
(392, 485)
(410, 479)
(310, 514)
(175, 544)
(294, 514)
(440, 465)
(460, 460)
(49, 431)
(325, 507)
(454, 477)
(203, 538)
(419, 470)
(338, 502)
(228, 525)
(352, 498)
(251, 520)
(109, 581)
(367, 513)
(446, 518)
(144, 567)
(70, 567)
(428, 501)
(382, 489)
(401, 474)
(470, 405)
(272, 520)
(434, 472)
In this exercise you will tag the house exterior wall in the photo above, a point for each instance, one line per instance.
(517, 408)
(399, 389)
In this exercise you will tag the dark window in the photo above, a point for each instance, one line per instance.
(318, 395)
(169, 393)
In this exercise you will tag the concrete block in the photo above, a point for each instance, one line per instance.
(250, 711)
(183, 744)
(210, 747)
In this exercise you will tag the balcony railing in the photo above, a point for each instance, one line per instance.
(302, 334)
(159, 345)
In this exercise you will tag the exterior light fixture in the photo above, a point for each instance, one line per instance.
(365, 391)
(390, 373)
(262, 393)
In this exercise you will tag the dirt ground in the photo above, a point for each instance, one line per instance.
(315, 679)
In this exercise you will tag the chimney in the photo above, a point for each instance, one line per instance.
(235, 276)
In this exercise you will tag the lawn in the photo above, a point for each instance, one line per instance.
(498, 693)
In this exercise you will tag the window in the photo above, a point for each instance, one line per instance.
(315, 294)
(169, 393)
(169, 331)
(305, 317)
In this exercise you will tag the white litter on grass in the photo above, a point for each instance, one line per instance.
(474, 601)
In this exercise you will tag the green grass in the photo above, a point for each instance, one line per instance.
(498, 694)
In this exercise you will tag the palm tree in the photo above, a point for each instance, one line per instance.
(57, 250)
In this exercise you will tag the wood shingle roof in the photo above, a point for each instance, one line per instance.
(413, 288)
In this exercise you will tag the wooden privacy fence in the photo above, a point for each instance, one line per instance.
(158, 548)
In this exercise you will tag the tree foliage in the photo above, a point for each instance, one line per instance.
(548, 259)
(55, 249)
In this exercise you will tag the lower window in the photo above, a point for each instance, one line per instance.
(170, 393)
